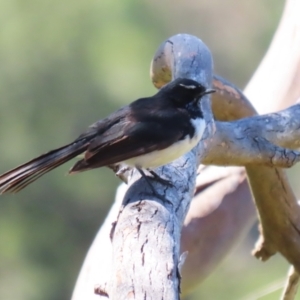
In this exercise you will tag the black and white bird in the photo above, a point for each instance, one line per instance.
(148, 133)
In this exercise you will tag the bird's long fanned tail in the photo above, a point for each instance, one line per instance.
(149, 132)
(19, 177)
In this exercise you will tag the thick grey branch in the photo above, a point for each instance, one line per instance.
(259, 140)
(281, 128)
(149, 224)
(224, 199)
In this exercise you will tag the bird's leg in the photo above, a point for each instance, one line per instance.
(147, 180)
(151, 186)
(122, 170)
(159, 179)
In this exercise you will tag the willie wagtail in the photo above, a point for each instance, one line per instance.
(148, 133)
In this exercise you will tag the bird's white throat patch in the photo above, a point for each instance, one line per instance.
(161, 157)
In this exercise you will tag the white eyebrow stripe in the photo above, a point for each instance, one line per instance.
(191, 87)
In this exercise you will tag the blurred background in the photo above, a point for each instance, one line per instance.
(64, 65)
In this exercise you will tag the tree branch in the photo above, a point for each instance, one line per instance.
(243, 149)
(255, 140)
(271, 88)
(291, 287)
(148, 225)
(270, 187)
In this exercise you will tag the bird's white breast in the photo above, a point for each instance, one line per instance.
(162, 157)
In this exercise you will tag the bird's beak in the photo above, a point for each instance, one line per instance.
(208, 91)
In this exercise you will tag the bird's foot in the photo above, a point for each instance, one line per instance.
(157, 178)
(122, 170)
(147, 180)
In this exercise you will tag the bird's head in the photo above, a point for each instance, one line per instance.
(184, 91)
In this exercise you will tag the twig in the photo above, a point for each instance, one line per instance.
(291, 287)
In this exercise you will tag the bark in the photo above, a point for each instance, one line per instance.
(146, 220)
(148, 225)
(270, 89)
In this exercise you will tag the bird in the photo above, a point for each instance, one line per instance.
(148, 133)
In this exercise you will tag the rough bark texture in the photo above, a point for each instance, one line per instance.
(255, 140)
(222, 205)
(149, 224)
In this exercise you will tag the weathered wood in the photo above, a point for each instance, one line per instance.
(148, 226)
(270, 184)
(242, 143)
(273, 87)
(255, 141)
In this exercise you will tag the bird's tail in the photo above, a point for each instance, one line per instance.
(16, 179)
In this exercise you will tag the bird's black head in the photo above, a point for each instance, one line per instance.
(184, 91)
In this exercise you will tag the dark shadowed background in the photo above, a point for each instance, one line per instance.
(64, 65)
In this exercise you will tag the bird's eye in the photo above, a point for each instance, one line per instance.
(190, 87)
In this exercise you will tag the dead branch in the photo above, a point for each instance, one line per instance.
(268, 183)
(291, 287)
(270, 89)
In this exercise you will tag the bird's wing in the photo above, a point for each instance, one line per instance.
(141, 138)
(126, 139)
